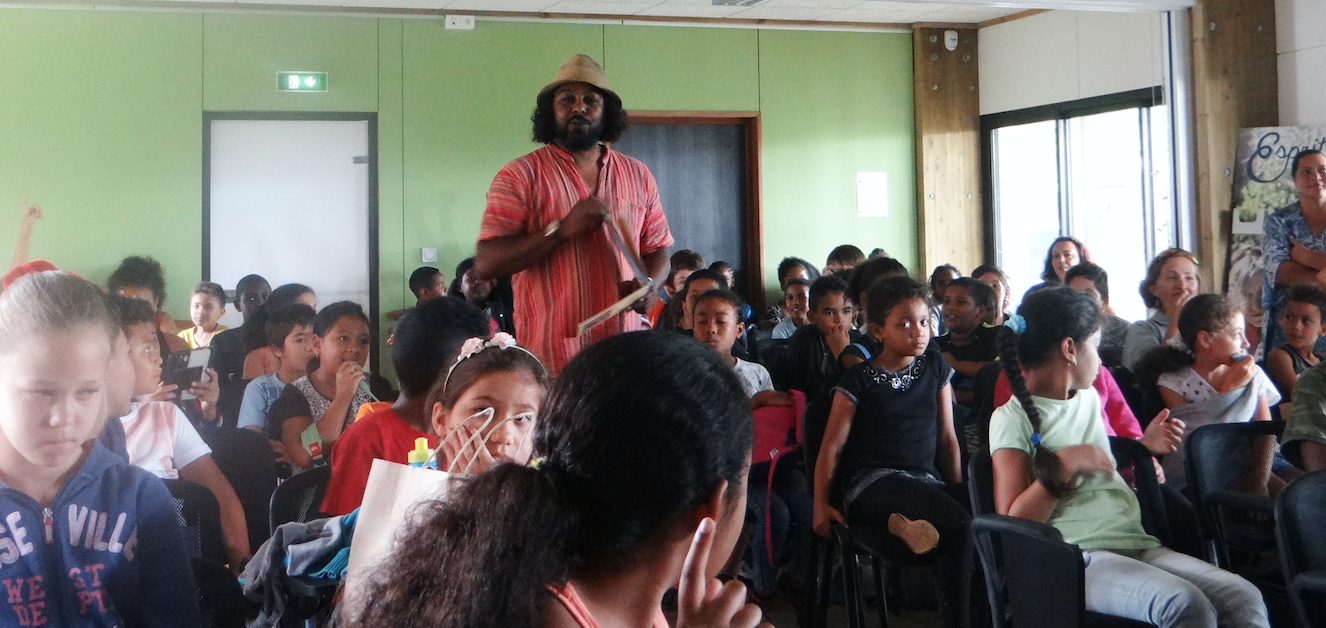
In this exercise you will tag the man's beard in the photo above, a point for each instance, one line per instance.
(580, 137)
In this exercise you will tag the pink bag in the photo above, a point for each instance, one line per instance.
(777, 431)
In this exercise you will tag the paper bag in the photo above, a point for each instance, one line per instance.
(389, 508)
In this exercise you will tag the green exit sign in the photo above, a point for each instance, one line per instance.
(301, 81)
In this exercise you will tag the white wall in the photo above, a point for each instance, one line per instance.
(1300, 46)
(1062, 56)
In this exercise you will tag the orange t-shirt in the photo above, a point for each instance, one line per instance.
(576, 607)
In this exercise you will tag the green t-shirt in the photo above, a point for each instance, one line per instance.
(1307, 419)
(1103, 512)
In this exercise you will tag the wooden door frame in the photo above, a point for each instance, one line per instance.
(753, 264)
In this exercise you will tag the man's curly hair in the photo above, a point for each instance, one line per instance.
(545, 121)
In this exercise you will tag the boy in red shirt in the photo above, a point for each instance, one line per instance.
(426, 343)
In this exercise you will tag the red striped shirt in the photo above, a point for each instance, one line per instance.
(579, 278)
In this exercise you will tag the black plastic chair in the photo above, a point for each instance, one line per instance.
(1035, 579)
(246, 459)
(1216, 457)
(220, 597)
(300, 497)
(198, 512)
(1300, 510)
(848, 547)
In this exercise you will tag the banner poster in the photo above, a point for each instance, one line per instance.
(1263, 183)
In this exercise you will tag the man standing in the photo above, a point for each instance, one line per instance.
(1294, 241)
(549, 212)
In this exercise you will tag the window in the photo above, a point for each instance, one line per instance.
(1098, 170)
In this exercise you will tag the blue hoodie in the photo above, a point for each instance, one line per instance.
(108, 552)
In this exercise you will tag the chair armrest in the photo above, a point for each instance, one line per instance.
(1308, 582)
(1243, 501)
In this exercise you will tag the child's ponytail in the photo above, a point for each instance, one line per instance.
(1044, 463)
(1045, 318)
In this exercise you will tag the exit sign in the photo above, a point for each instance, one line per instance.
(301, 81)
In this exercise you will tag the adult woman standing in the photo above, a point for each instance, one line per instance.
(1171, 280)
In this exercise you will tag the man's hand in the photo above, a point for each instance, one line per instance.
(642, 304)
(588, 214)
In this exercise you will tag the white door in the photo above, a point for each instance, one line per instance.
(289, 200)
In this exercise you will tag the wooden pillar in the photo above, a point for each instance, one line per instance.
(1234, 86)
(948, 152)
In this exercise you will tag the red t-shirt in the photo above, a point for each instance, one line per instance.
(383, 434)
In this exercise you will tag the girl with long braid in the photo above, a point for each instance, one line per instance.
(1052, 464)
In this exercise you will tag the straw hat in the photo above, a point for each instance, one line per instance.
(582, 69)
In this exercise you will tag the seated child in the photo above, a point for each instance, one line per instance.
(142, 278)
(1303, 321)
(795, 298)
(310, 414)
(1212, 379)
(717, 320)
(207, 305)
(228, 349)
(969, 343)
(843, 257)
(1052, 464)
(940, 278)
(258, 359)
(290, 337)
(491, 296)
(788, 269)
(159, 437)
(726, 270)
(614, 514)
(865, 276)
(717, 324)
(680, 266)
(889, 457)
(132, 568)
(427, 283)
(992, 276)
(488, 375)
(814, 349)
(425, 345)
(1093, 280)
(676, 314)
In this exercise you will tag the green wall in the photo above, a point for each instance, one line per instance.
(101, 118)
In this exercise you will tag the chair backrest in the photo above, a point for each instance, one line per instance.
(220, 597)
(1135, 464)
(300, 497)
(980, 483)
(247, 461)
(1144, 401)
(1299, 510)
(1216, 456)
(1218, 459)
(198, 512)
(1032, 577)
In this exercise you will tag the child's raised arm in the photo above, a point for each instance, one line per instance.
(835, 436)
(31, 214)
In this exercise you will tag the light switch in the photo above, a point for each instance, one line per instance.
(429, 256)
